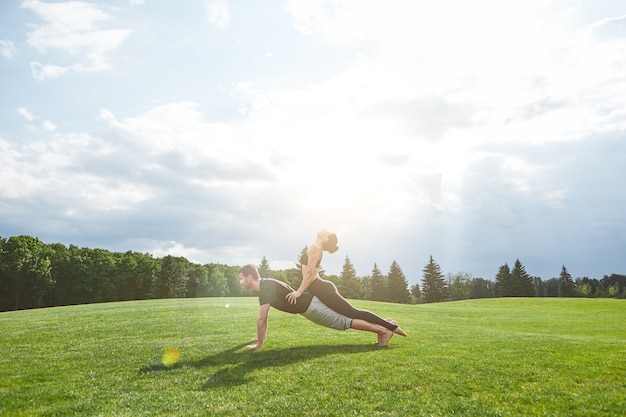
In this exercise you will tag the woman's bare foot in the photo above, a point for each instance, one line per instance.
(398, 329)
(384, 338)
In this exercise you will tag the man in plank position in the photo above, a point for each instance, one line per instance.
(273, 293)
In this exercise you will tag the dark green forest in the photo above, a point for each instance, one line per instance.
(34, 274)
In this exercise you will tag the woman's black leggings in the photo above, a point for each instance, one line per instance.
(327, 292)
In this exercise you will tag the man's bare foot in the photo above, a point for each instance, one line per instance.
(398, 329)
(383, 339)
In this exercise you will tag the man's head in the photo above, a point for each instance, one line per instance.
(249, 277)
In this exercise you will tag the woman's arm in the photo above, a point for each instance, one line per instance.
(309, 273)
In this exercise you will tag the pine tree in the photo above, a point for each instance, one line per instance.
(264, 269)
(566, 284)
(398, 286)
(522, 282)
(503, 282)
(434, 287)
(349, 285)
(378, 285)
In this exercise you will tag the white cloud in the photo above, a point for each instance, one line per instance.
(218, 14)
(71, 27)
(48, 126)
(66, 15)
(165, 248)
(57, 170)
(176, 127)
(7, 48)
(26, 114)
(42, 72)
(610, 27)
(47, 72)
(73, 41)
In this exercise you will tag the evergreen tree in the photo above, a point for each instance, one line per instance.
(378, 285)
(398, 287)
(522, 282)
(264, 269)
(566, 284)
(434, 287)
(503, 281)
(349, 285)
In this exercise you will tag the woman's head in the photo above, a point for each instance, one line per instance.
(329, 241)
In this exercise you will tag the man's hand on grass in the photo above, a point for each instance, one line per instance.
(254, 346)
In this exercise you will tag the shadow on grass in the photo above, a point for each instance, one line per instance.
(237, 362)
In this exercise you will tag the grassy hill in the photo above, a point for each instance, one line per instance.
(495, 357)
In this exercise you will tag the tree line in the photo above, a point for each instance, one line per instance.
(34, 274)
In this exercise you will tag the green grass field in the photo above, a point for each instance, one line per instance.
(495, 357)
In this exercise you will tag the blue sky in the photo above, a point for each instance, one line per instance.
(476, 132)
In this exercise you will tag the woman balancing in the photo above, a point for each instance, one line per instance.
(325, 290)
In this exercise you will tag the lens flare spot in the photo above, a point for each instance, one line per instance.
(170, 357)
